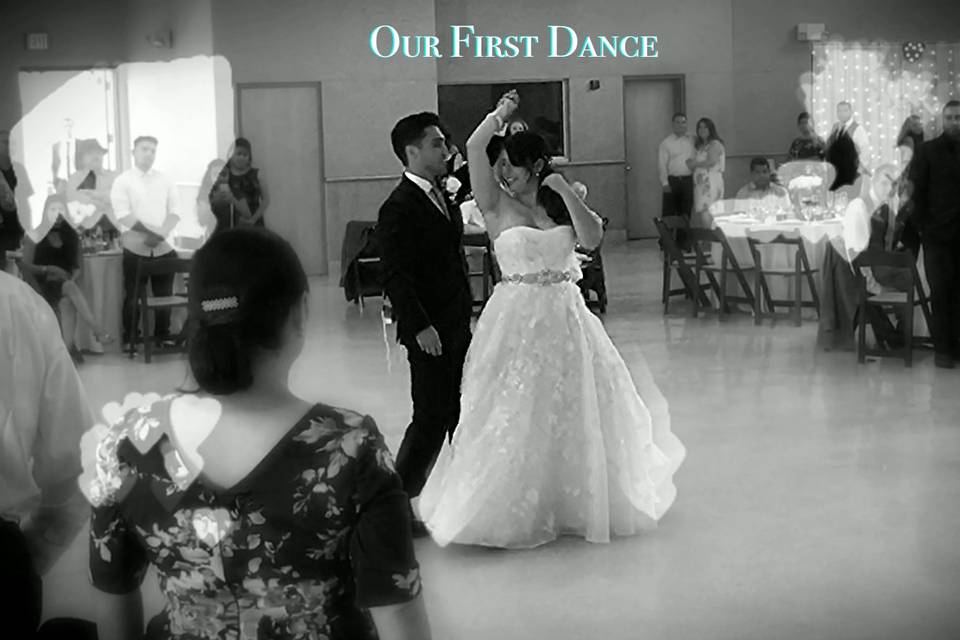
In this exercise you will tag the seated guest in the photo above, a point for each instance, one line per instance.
(909, 140)
(53, 266)
(88, 188)
(273, 517)
(867, 224)
(43, 413)
(808, 145)
(761, 190)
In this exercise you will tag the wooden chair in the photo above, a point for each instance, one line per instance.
(703, 238)
(594, 279)
(150, 304)
(902, 302)
(674, 259)
(801, 271)
(485, 272)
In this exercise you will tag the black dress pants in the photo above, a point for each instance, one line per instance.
(941, 260)
(435, 387)
(679, 202)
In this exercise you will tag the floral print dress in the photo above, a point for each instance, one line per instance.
(315, 533)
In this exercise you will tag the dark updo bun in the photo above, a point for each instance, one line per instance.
(243, 285)
(524, 149)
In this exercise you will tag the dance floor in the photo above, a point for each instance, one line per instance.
(820, 499)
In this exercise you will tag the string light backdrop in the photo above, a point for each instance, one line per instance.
(885, 83)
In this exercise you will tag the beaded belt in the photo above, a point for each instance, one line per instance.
(543, 278)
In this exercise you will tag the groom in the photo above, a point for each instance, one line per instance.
(425, 276)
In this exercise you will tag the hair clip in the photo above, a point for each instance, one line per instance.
(219, 304)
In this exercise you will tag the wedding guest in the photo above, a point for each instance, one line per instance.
(935, 174)
(289, 511)
(847, 148)
(88, 188)
(11, 230)
(516, 125)
(43, 413)
(53, 264)
(675, 174)
(205, 217)
(707, 166)
(146, 206)
(808, 145)
(908, 141)
(762, 190)
(239, 194)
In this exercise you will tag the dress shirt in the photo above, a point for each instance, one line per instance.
(432, 191)
(151, 198)
(673, 155)
(770, 198)
(43, 407)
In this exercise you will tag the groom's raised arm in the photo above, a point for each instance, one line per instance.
(398, 257)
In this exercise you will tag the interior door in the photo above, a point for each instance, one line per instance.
(648, 106)
(282, 122)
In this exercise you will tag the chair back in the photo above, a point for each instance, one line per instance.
(667, 228)
(899, 260)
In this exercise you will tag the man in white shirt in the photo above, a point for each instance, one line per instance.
(43, 414)
(675, 176)
(146, 208)
(848, 147)
(762, 191)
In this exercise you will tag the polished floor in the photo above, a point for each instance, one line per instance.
(820, 498)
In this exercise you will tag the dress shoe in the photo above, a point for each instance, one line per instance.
(943, 360)
(419, 529)
(75, 355)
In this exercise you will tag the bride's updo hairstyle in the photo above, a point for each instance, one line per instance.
(523, 149)
(243, 285)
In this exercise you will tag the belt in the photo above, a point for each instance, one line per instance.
(542, 278)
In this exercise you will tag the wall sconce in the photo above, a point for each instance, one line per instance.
(161, 39)
(593, 85)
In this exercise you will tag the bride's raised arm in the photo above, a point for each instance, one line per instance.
(486, 191)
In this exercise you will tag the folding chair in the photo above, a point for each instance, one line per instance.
(481, 243)
(729, 264)
(896, 301)
(149, 305)
(683, 263)
(801, 271)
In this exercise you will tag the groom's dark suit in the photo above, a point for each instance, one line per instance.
(425, 277)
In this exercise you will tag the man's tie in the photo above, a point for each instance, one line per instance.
(437, 198)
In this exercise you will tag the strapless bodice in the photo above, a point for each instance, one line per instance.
(526, 250)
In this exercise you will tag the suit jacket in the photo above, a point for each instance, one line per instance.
(935, 174)
(424, 267)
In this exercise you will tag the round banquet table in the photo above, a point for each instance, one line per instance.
(816, 234)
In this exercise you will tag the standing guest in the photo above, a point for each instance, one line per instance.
(935, 174)
(239, 195)
(425, 277)
(53, 264)
(88, 188)
(43, 413)
(145, 204)
(280, 518)
(11, 231)
(848, 148)
(205, 217)
(707, 166)
(808, 145)
(909, 140)
(675, 175)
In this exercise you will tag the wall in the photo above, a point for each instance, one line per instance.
(694, 37)
(326, 41)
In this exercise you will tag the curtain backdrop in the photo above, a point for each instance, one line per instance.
(884, 88)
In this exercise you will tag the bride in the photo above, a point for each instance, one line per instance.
(553, 436)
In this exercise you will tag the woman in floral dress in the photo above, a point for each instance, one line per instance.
(264, 515)
(707, 167)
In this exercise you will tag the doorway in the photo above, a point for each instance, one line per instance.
(648, 106)
(282, 122)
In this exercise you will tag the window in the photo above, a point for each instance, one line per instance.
(463, 106)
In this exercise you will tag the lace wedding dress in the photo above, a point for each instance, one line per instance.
(554, 437)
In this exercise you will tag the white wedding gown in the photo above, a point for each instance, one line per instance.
(554, 437)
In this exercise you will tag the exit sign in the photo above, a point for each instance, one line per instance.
(37, 42)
